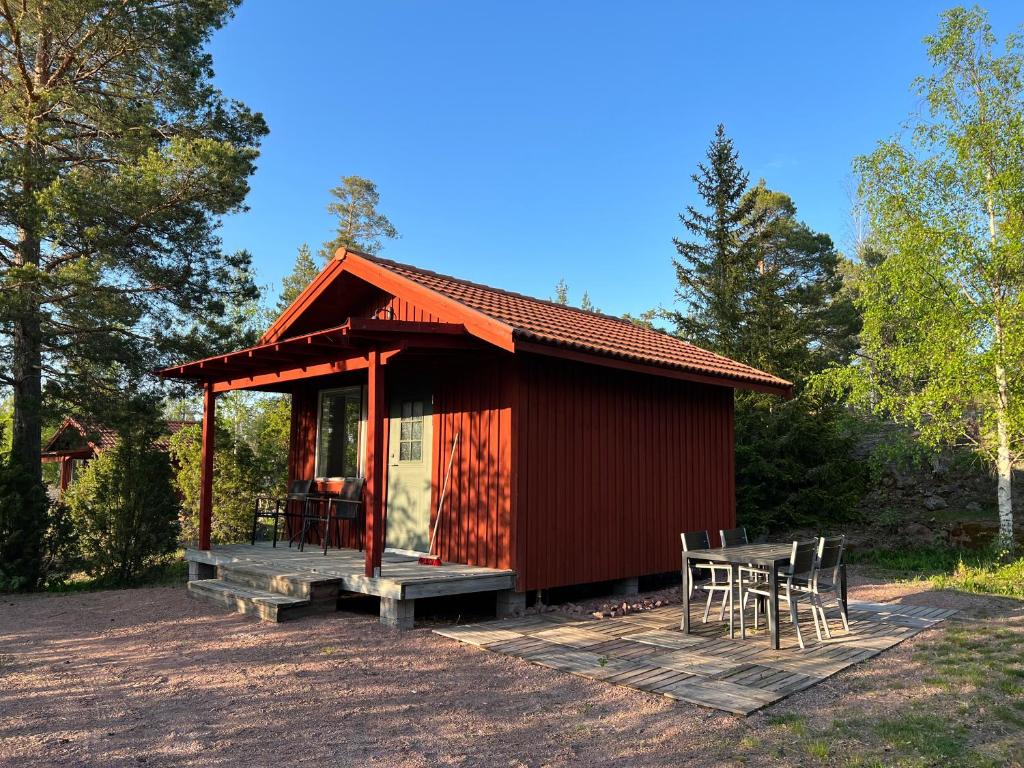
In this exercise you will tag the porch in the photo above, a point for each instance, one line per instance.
(279, 583)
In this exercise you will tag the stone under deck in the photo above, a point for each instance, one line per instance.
(276, 583)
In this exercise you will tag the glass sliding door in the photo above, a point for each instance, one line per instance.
(339, 434)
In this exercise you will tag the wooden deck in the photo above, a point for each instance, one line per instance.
(647, 651)
(258, 576)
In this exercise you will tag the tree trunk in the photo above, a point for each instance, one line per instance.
(1004, 467)
(27, 360)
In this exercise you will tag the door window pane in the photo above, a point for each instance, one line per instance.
(410, 434)
(337, 451)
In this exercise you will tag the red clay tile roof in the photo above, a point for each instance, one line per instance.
(103, 437)
(549, 323)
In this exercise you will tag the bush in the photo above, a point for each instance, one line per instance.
(794, 465)
(61, 553)
(23, 505)
(125, 509)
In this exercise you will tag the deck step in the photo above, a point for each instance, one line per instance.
(269, 606)
(304, 585)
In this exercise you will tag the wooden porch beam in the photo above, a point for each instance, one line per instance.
(206, 467)
(376, 409)
(290, 374)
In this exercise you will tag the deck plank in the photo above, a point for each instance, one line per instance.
(648, 652)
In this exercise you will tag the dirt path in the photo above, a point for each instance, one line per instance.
(149, 677)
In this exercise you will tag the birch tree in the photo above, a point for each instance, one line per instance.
(943, 336)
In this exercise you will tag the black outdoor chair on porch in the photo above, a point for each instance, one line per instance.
(326, 513)
(274, 510)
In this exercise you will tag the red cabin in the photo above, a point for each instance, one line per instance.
(586, 442)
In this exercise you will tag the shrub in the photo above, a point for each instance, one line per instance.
(61, 554)
(23, 504)
(794, 465)
(124, 508)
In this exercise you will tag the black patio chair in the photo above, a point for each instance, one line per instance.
(326, 513)
(275, 509)
(733, 537)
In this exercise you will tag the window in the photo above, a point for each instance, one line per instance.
(410, 436)
(339, 433)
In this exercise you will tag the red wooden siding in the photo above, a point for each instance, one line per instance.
(611, 467)
(388, 307)
(472, 396)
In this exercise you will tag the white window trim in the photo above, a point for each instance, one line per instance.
(360, 451)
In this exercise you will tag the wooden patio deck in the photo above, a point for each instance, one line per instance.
(647, 651)
(273, 582)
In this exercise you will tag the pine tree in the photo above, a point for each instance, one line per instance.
(302, 274)
(360, 224)
(715, 266)
(797, 318)
(118, 158)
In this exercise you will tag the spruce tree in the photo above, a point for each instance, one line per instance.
(302, 274)
(714, 266)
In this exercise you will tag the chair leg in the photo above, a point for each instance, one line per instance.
(732, 611)
(721, 612)
(793, 619)
(757, 606)
(707, 608)
(812, 599)
(743, 610)
(824, 616)
(842, 613)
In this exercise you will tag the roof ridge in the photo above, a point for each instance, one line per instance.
(506, 292)
(586, 313)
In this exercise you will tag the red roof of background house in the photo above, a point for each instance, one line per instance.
(101, 438)
(556, 324)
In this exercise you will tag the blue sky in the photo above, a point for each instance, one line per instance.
(519, 143)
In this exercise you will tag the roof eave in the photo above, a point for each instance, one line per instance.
(780, 387)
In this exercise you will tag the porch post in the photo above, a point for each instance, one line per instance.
(376, 408)
(206, 467)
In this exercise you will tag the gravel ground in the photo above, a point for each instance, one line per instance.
(150, 677)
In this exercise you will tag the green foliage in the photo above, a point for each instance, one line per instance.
(360, 224)
(61, 550)
(118, 157)
(714, 268)
(302, 274)
(795, 316)
(760, 286)
(250, 459)
(23, 505)
(124, 507)
(943, 333)
(793, 465)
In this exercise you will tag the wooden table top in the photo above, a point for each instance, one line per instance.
(770, 554)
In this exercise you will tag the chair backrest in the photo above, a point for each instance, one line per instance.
(352, 489)
(695, 540)
(830, 557)
(803, 559)
(734, 537)
(299, 489)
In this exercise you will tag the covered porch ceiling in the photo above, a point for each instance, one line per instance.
(273, 365)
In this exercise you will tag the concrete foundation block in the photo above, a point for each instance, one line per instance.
(197, 571)
(509, 603)
(622, 587)
(396, 613)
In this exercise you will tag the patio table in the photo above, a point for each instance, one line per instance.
(771, 557)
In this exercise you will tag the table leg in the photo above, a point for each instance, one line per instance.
(686, 595)
(733, 586)
(842, 586)
(773, 606)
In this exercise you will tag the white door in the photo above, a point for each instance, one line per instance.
(409, 464)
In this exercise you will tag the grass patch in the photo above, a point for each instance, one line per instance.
(169, 571)
(985, 571)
